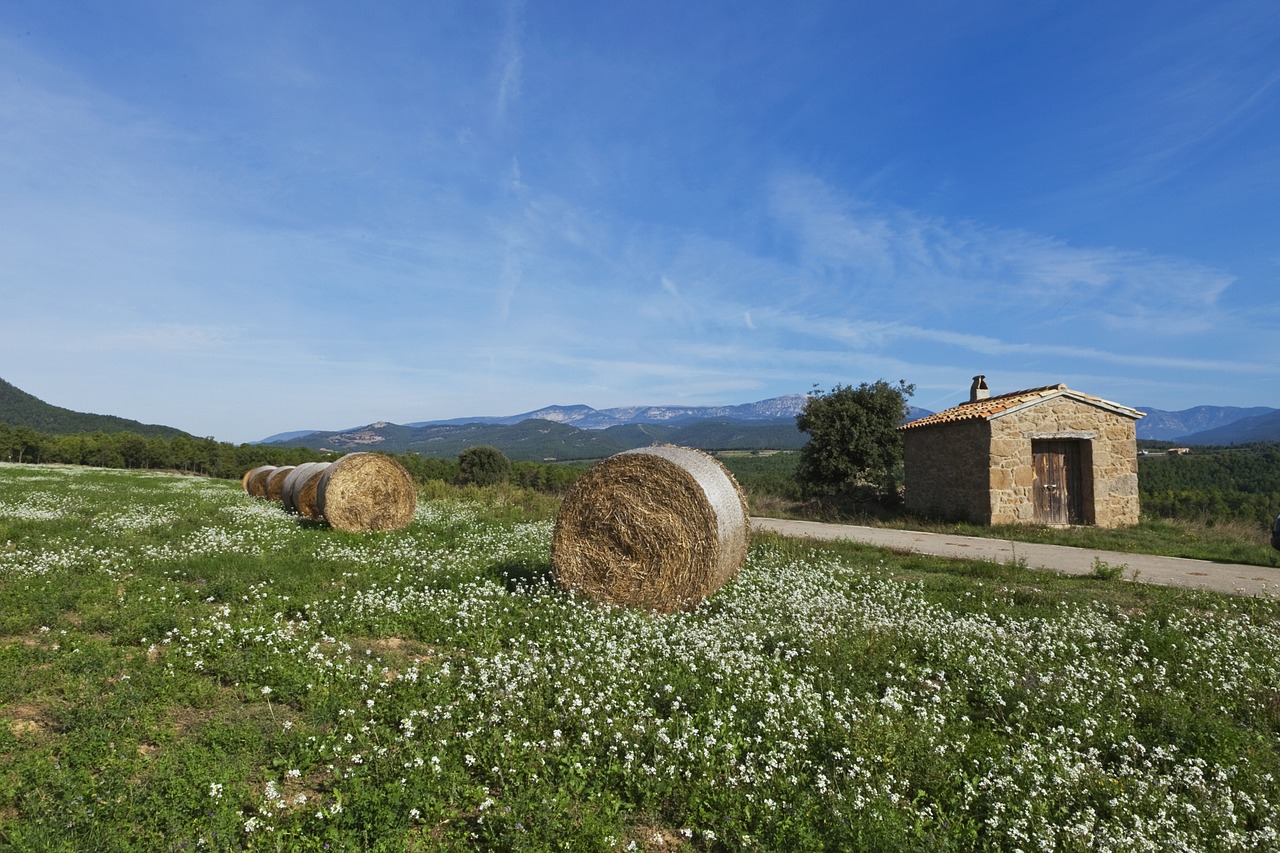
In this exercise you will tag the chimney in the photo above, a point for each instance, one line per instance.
(978, 390)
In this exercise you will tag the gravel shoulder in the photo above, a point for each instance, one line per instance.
(1169, 571)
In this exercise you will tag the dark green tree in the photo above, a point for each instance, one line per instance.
(28, 445)
(483, 465)
(854, 448)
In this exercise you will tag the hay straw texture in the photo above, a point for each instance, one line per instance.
(306, 499)
(256, 480)
(658, 528)
(248, 475)
(297, 481)
(275, 482)
(365, 492)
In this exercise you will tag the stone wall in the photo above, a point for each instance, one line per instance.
(982, 471)
(1109, 453)
(946, 471)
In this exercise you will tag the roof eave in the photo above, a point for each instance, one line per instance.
(1097, 402)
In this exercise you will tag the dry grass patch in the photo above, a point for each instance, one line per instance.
(396, 653)
(29, 720)
(653, 839)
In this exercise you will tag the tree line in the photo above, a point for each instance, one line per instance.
(211, 458)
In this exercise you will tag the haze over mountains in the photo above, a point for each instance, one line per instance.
(580, 431)
(585, 417)
(1200, 425)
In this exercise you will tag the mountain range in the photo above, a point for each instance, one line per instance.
(1204, 424)
(1263, 427)
(585, 417)
(579, 431)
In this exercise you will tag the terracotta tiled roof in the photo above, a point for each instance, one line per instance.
(993, 407)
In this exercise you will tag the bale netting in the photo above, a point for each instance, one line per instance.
(658, 528)
(299, 493)
(275, 482)
(366, 492)
(255, 482)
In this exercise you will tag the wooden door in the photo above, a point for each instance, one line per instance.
(1058, 492)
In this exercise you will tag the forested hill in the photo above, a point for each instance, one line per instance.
(20, 409)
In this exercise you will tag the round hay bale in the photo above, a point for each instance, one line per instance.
(256, 484)
(364, 492)
(305, 477)
(307, 498)
(658, 528)
(248, 475)
(275, 482)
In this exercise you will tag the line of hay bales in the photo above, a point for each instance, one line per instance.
(359, 493)
(656, 528)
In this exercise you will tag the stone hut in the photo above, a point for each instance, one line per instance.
(1047, 455)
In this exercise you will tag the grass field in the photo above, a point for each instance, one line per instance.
(185, 668)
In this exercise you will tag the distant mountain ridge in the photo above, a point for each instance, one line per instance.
(20, 409)
(581, 432)
(1264, 427)
(1182, 426)
(585, 417)
(542, 440)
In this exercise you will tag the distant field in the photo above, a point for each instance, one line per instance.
(183, 667)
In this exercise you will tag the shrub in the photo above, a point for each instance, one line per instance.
(483, 465)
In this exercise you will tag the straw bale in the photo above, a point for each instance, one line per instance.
(307, 499)
(256, 480)
(364, 492)
(244, 481)
(275, 482)
(294, 481)
(657, 528)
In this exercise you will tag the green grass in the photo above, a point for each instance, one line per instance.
(183, 668)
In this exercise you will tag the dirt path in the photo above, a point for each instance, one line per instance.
(1170, 571)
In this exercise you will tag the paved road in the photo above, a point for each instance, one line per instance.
(1171, 571)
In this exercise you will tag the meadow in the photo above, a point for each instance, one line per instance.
(183, 667)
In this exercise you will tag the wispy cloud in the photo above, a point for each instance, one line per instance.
(1187, 90)
(171, 337)
(510, 59)
(930, 266)
(876, 336)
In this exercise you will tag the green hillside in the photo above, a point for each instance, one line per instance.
(20, 409)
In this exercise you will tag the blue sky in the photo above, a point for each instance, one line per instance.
(244, 218)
